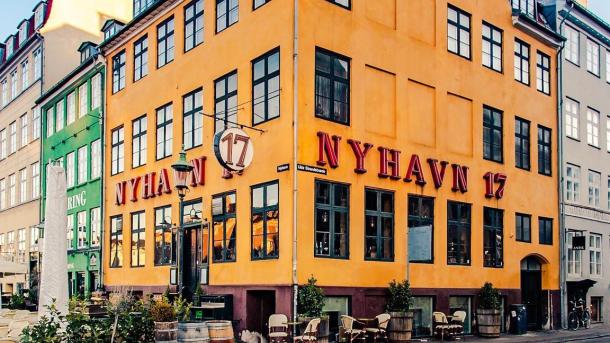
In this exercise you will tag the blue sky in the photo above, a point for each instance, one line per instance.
(14, 11)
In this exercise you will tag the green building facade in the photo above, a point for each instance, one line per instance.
(72, 112)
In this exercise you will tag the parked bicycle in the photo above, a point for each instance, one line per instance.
(579, 315)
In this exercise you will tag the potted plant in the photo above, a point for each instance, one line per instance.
(310, 305)
(398, 305)
(199, 292)
(488, 311)
(164, 316)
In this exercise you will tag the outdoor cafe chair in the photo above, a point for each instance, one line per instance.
(311, 332)
(457, 323)
(441, 326)
(380, 332)
(278, 329)
(349, 330)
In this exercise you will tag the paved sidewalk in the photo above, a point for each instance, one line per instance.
(597, 333)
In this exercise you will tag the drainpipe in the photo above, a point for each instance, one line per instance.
(102, 122)
(295, 137)
(560, 140)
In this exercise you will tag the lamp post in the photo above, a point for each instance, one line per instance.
(181, 172)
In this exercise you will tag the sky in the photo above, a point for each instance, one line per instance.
(14, 11)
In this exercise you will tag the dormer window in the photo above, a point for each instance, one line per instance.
(39, 13)
(111, 26)
(23, 32)
(526, 6)
(87, 49)
(9, 46)
(140, 6)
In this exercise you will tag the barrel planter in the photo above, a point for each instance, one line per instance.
(166, 332)
(220, 331)
(193, 332)
(400, 327)
(489, 323)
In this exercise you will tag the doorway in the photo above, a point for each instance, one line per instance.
(191, 256)
(531, 291)
(259, 306)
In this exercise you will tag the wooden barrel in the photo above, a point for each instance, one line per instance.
(488, 322)
(400, 327)
(220, 331)
(193, 332)
(166, 332)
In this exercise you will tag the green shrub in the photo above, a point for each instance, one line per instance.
(310, 299)
(400, 299)
(16, 302)
(163, 311)
(489, 298)
(47, 330)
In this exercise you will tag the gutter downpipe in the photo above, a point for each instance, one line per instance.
(560, 130)
(295, 136)
(102, 123)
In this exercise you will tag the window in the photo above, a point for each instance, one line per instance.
(522, 143)
(332, 87)
(140, 58)
(59, 115)
(608, 192)
(572, 109)
(81, 229)
(70, 232)
(525, 6)
(193, 24)
(462, 303)
(82, 164)
(379, 221)
(227, 14)
(597, 309)
(96, 91)
(608, 133)
(165, 240)
(21, 245)
(165, 42)
(165, 131)
(331, 220)
(35, 180)
(595, 254)
(36, 123)
(572, 183)
(266, 87)
(96, 159)
(138, 141)
(225, 100)
(572, 47)
(492, 134)
(12, 180)
(23, 185)
(25, 75)
(11, 241)
(421, 229)
(13, 137)
(82, 100)
(71, 117)
(116, 241)
(523, 227)
(4, 92)
(608, 66)
(544, 150)
(458, 32)
(594, 179)
(118, 72)
(522, 62)
(140, 6)
(422, 322)
(14, 88)
(37, 64)
(492, 47)
(545, 230)
(138, 239)
(24, 130)
(96, 226)
(574, 256)
(3, 144)
(593, 57)
(34, 236)
(265, 221)
(70, 168)
(2, 194)
(118, 151)
(259, 3)
(342, 3)
(192, 212)
(592, 127)
(493, 240)
(458, 233)
(543, 73)
(192, 119)
(224, 227)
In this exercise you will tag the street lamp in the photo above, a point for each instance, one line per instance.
(182, 170)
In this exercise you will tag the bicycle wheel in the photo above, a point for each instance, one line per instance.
(573, 321)
(586, 319)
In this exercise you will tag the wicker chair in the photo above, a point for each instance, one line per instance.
(380, 332)
(441, 326)
(311, 332)
(457, 323)
(348, 328)
(278, 329)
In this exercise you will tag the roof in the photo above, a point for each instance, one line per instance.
(86, 44)
(591, 15)
(601, 36)
(109, 22)
(537, 27)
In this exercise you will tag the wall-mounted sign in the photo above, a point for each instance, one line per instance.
(233, 149)
(579, 243)
(283, 167)
(93, 260)
(77, 200)
(311, 169)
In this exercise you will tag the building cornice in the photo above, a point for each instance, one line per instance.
(529, 25)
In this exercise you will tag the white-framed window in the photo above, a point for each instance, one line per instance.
(2, 243)
(10, 48)
(70, 232)
(23, 33)
(572, 183)
(24, 130)
(13, 84)
(572, 109)
(4, 92)
(13, 137)
(25, 75)
(96, 159)
(36, 123)
(71, 117)
(81, 225)
(608, 66)
(608, 133)
(3, 144)
(39, 16)
(34, 235)
(35, 180)
(12, 190)
(37, 64)
(574, 256)
(21, 245)
(593, 57)
(50, 122)
(82, 100)
(96, 226)
(572, 47)
(10, 240)
(2, 194)
(595, 254)
(59, 115)
(70, 169)
(592, 127)
(23, 185)
(594, 186)
(82, 164)
(96, 91)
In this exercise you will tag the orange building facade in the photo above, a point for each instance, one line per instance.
(398, 140)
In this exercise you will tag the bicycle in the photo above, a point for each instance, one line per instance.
(579, 315)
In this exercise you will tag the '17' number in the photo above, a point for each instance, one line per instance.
(232, 140)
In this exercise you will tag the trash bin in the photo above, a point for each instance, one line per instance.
(518, 319)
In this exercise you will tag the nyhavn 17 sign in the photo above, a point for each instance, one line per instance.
(233, 149)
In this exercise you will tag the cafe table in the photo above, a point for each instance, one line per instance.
(294, 331)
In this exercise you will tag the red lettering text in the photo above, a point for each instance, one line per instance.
(360, 154)
(415, 169)
(330, 149)
(393, 163)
